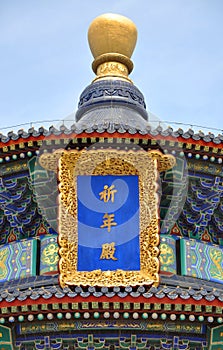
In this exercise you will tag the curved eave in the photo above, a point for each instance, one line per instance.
(205, 142)
(207, 295)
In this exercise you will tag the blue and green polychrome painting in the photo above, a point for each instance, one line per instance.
(201, 260)
(108, 222)
(5, 338)
(18, 260)
(167, 255)
(49, 256)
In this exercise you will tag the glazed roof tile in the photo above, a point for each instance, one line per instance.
(111, 127)
(47, 287)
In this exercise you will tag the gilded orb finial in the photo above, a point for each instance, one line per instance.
(112, 39)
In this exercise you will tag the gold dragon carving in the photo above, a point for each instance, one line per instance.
(110, 162)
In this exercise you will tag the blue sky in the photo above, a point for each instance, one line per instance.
(45, 61)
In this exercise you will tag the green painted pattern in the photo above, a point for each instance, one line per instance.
(5, 338)
(201, 260)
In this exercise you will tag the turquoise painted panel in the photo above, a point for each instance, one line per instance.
(5, 338)
(49, 256)
(167, 255)
(216, 337)
(201, 260)
(18, 260)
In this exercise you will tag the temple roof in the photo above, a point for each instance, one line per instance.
(112, 110)
(180, 289)
(111, 128)
(200, 159)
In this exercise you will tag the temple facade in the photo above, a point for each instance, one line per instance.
(111, 228)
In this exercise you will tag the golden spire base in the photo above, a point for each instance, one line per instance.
(112, 39)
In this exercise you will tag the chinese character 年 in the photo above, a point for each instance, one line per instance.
(108, 221)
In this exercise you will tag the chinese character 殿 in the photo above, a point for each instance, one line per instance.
(108, 251)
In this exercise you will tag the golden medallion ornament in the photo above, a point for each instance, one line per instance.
(112, 39)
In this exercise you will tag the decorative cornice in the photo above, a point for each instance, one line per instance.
(110, 93)
(177, 290)
(115, 131)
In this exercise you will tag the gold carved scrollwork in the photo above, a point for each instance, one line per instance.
(49, 161)
(110, 162)
(112, 69)
(164, 161)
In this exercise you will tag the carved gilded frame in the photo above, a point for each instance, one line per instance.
(110, 162)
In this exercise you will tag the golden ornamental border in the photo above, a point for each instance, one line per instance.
(110, 162)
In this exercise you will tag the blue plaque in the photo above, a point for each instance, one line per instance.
(108, 222)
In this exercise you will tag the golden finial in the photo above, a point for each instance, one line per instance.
(112, 39)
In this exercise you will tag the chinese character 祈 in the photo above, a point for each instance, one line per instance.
(108, 251)
(108, 221)
(108, 193)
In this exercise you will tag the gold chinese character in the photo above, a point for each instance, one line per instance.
(108, 251)
(108, 221)
(108, 193)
